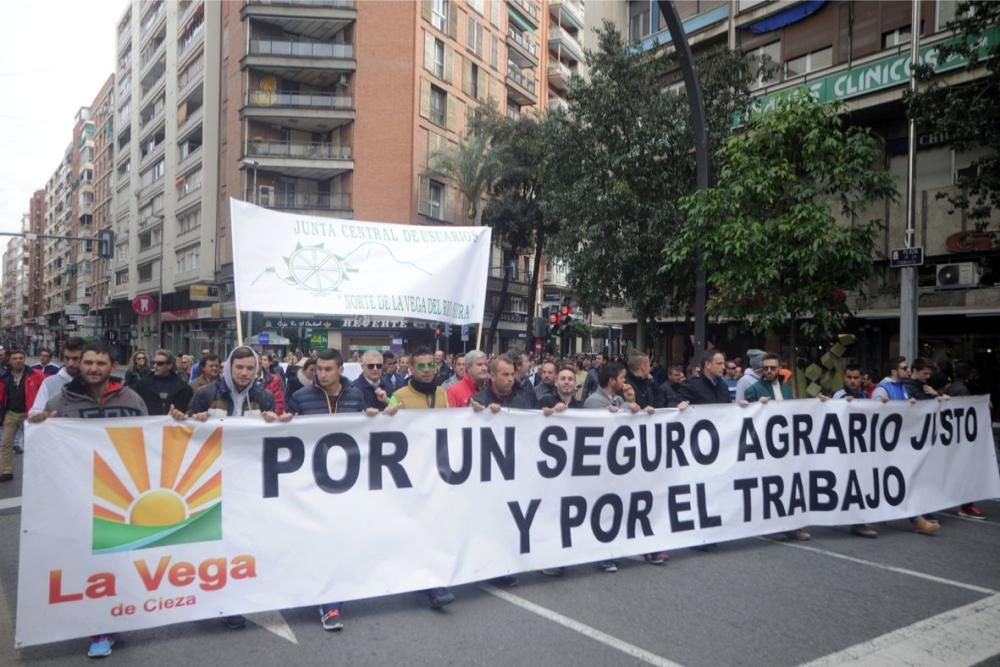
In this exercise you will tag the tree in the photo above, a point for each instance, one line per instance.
(774, 249)
(619, 162)
(474, 166)
(516, 208)
(967, 113)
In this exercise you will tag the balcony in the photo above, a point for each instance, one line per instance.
(556, 102)
(342, 11)
(294, 108)
(285, 57)
(527, 9)
(561, 41)
(559, 75)
(188, 189)
(326, 203)
(153, 18)
(570, 10)
(521, 85)
(301, 160)
(522, 48)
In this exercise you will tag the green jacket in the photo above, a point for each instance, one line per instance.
(761, 389)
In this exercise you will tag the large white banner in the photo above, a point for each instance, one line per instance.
(290, 263)
(131, 523)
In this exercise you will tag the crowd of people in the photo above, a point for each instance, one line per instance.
(251, 384)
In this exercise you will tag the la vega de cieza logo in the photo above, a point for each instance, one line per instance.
(141, 502)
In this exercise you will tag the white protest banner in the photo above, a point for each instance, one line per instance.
(132, 523)
(290, 263)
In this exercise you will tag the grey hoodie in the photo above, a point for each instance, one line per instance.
(75, 401)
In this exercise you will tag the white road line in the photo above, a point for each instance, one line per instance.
(274, 622)
(9, 503)
(962, 636)
(979, 521)
(582, 628)
(888, 568)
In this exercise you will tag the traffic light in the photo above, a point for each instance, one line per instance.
(105, 244)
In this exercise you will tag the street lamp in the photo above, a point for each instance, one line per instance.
(697, 103)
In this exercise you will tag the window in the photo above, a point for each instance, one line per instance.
(158, 170)
(145, 272)
(476, 5)
(439, 58)
(475, 37)
(495, 12)
(810, 62)
(765, 59)
(896, 37)
(189, 221)
(946, 11)
(474, 81)
(439, 14)
(121, 277)
(435, 200)
(494, 50)
(187, 260)
(638, 22)
(439, 106)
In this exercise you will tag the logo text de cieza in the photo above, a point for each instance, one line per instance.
(132, 513)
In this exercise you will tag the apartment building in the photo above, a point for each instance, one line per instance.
(56, 254)
(97, 274)
(36, 276)
(856, 53)
(14, 308)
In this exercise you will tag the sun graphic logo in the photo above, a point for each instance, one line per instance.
(131, 513)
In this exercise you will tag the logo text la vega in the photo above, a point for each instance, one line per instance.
(212, 574)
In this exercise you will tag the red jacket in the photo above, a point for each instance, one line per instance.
(32, 381)
(460, 392)
(277, 389)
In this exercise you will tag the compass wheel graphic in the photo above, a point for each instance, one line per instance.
(317, 269)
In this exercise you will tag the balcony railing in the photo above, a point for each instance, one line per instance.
(151, 19)
(264, 98)
(313, 151)
(515, 74)
(271, 47)
(557, 34)
(339, 4)
(529, 7)
(340, 201)
(523, 41)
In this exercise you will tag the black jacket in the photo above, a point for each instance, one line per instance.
(519, 398)
(159, 393)
(312, 401)
(700, 391)
(669, 396)
(216, 395)
(646, 391)
(368, 391)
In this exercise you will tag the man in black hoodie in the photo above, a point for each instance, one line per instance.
(164, 388)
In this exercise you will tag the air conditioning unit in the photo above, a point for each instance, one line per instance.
(958, 276)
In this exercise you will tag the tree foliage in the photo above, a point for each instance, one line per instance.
(967, 113)
(474, 166)
(618, 164)
(773, 248)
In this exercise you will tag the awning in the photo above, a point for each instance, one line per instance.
(785, 17)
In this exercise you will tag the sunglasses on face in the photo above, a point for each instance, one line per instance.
(770, 368)
(161, 363)
(430, 366)
(372, 367)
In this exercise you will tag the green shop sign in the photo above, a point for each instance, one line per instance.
(880, 74)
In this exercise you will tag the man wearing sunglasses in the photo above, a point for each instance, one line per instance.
(892, 387)
(164, 388)
(423, 393)
(371, 383)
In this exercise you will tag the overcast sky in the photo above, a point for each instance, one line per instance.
(54, 57)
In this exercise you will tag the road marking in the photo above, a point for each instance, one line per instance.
(9, 503)
(962, 636)
(274, 622)
(582, 628)
(888, 568)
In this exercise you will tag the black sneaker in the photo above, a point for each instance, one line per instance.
(439, 597)
(506, 581)
(608, 565)
(235, 622)
(18, 449)
(330, 619)
(554, 571)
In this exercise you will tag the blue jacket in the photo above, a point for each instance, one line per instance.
(216, 395)
(895, 390)
(368, 391)
(312, 400)
(396, 380)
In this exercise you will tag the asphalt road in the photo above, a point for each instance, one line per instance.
(900, 599)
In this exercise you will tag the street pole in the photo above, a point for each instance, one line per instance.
(908, 275)
(697, 103)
